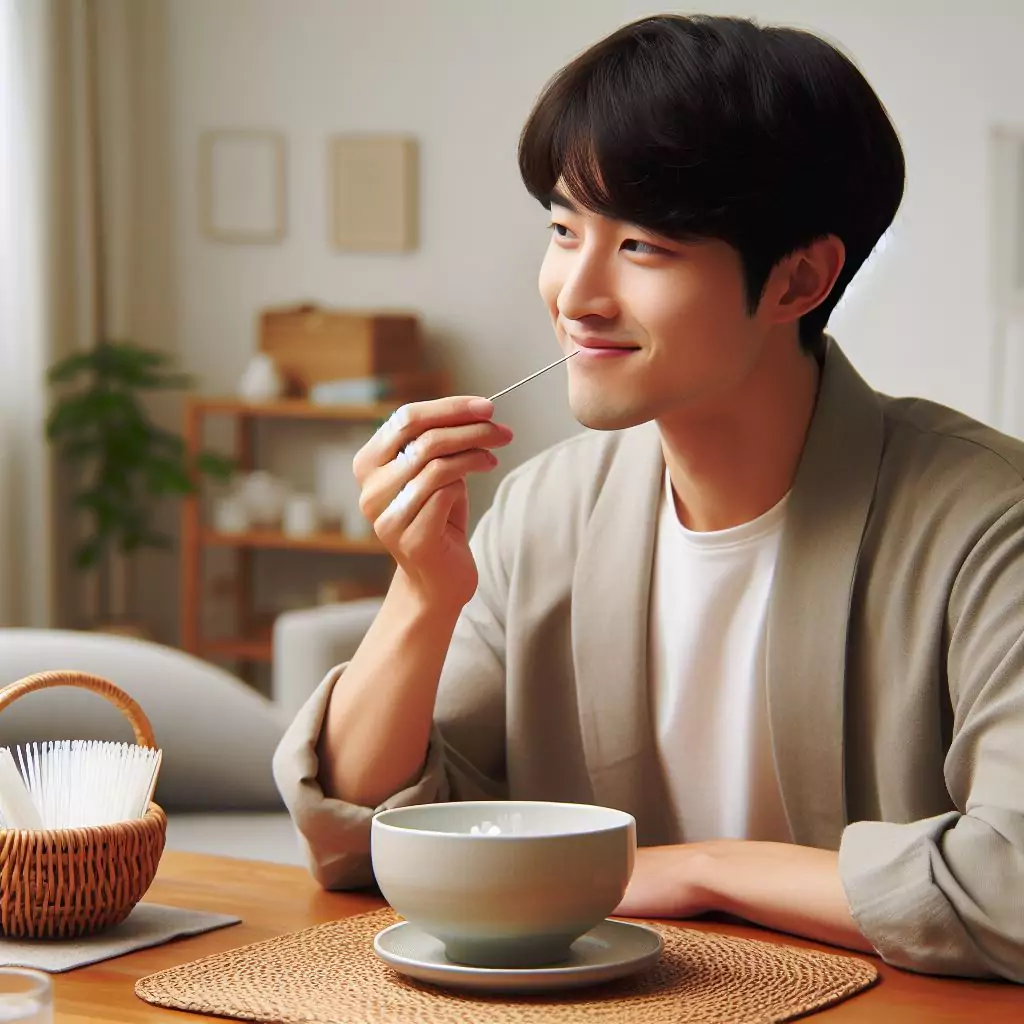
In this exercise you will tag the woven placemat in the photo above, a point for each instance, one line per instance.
(330, 975)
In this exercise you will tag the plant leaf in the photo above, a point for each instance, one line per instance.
(165, 439)
(167, 476)
(88, 553)
(123, 460)
(70, 367)
(164, 382)
(215, 465)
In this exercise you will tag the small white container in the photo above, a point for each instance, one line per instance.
(265, 497)
(261, 381)
(337, 489)
(358, 527)
(301, 516)
(230, 515)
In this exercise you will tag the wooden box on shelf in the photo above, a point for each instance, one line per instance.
(310, 344)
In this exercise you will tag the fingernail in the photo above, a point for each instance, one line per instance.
(399, 419)
(401, 500)
(481, 407)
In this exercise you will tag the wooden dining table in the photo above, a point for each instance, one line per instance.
(274, 899)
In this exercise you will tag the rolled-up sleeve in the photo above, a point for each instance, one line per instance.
(912, 905)
(336, 834)
(946, 895)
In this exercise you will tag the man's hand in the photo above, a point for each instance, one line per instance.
(667, 881)
(788, 888)
(412, 480)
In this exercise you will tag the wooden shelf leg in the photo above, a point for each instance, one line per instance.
(244, 446)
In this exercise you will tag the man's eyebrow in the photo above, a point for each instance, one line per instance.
(557, 198)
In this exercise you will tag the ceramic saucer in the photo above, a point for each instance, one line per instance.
(612, 950)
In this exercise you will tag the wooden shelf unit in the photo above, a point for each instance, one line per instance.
(293, 409)
(251, 644)
(257, 647)
(339, 543)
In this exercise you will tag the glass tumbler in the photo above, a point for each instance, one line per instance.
(25, 996)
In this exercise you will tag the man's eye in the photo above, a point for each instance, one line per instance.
(645, 248)
(560, 229)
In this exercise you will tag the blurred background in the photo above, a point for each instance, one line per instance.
(265, 194)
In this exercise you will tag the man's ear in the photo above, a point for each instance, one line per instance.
(803, 280)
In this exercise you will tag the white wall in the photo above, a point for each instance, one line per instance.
(461, 75)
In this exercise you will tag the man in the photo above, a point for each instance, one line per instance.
(775, 615)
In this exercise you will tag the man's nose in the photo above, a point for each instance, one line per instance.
(586, 293)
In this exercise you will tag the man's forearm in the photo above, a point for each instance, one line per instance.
(788, 888)
(793, 889)
(377, 727)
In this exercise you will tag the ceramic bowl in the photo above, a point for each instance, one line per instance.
(504, 884)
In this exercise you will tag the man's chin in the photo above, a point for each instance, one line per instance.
(605, 416)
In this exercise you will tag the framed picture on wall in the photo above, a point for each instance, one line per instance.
(242, 186)
(374, 186)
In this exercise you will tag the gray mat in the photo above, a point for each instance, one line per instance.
(149, 924)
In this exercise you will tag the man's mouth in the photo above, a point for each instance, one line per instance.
(604, 347)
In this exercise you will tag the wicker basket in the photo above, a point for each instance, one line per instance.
(63, 883)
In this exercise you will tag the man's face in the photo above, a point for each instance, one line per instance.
(662, 326)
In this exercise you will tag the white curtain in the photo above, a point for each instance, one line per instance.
(68, 258)
(26, 563)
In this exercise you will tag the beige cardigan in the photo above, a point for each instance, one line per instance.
(895, 667)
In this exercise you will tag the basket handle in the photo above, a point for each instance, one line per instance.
(97, 684)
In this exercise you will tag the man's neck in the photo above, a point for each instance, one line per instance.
(731, 464)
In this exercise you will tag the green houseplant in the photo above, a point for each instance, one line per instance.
(122, 463)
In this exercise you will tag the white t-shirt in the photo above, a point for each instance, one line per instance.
(708, 627)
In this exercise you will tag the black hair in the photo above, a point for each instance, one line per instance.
(766, 138)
